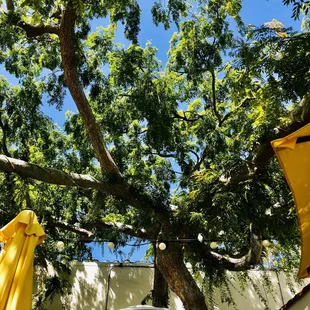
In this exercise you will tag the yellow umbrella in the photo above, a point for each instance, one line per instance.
(293, 152)
(20, 236)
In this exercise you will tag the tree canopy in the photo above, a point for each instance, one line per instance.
(155, 152)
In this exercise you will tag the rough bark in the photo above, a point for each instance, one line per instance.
(58, 177)
(160, 293)
(35, 31)
(160, 290)
(68, 47)
(170, 263)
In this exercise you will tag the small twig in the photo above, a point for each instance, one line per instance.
(214, 97)
(197, 156)
(200, 160)
(243, 102)
(186, 119)
(163, 155)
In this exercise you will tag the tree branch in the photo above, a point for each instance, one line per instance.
(165, 155)
(53, 176)
(245, 262)
(186, 119)
(87, 236)
(214, 96)
(196, 155)
(243, 102)
(9, 5)
(68, 46)
(200, 160)
(4, 138)
(35, 31)
(31, 30)
(264, 152)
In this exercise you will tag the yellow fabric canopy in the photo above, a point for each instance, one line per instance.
(20, 236)
(293, 152)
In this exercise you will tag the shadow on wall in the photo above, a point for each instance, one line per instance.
(107, 286)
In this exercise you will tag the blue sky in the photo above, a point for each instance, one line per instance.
(254, 12)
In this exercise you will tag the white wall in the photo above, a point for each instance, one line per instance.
(130, 284)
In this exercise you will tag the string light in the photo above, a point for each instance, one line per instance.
(266, 243)
(213, 245)
(60, 245)
(162, 246)
(111, 245)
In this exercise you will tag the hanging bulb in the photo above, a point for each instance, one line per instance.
(162, 246)
(200, 238)
(266, 243)
(111, 245)
(60, 245)
(213, 245)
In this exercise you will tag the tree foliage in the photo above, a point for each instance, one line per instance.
(156, 152)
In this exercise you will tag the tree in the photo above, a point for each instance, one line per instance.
(154, 153)
(301, 6)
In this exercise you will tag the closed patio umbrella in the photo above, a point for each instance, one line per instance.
(293, 152)
(20, 236)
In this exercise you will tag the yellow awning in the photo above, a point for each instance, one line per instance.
(293, 152)
(20, 236)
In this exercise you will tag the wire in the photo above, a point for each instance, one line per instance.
(121, 242)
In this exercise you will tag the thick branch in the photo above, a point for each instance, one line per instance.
(245, 262)
(264, 152)
(68, 47)
(54, 176)
(9, 5)
(35, 31)
(200, 160)
(31, 30)
(87, 236)
(4, 138)
(164, 155)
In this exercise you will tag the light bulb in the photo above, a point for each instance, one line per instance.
(111, 245)
(266, 243)
(60, 245)
(200, 238)
(162, 246)
(213, 245)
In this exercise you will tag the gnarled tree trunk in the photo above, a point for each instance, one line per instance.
(171, 264)
(160, 291)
